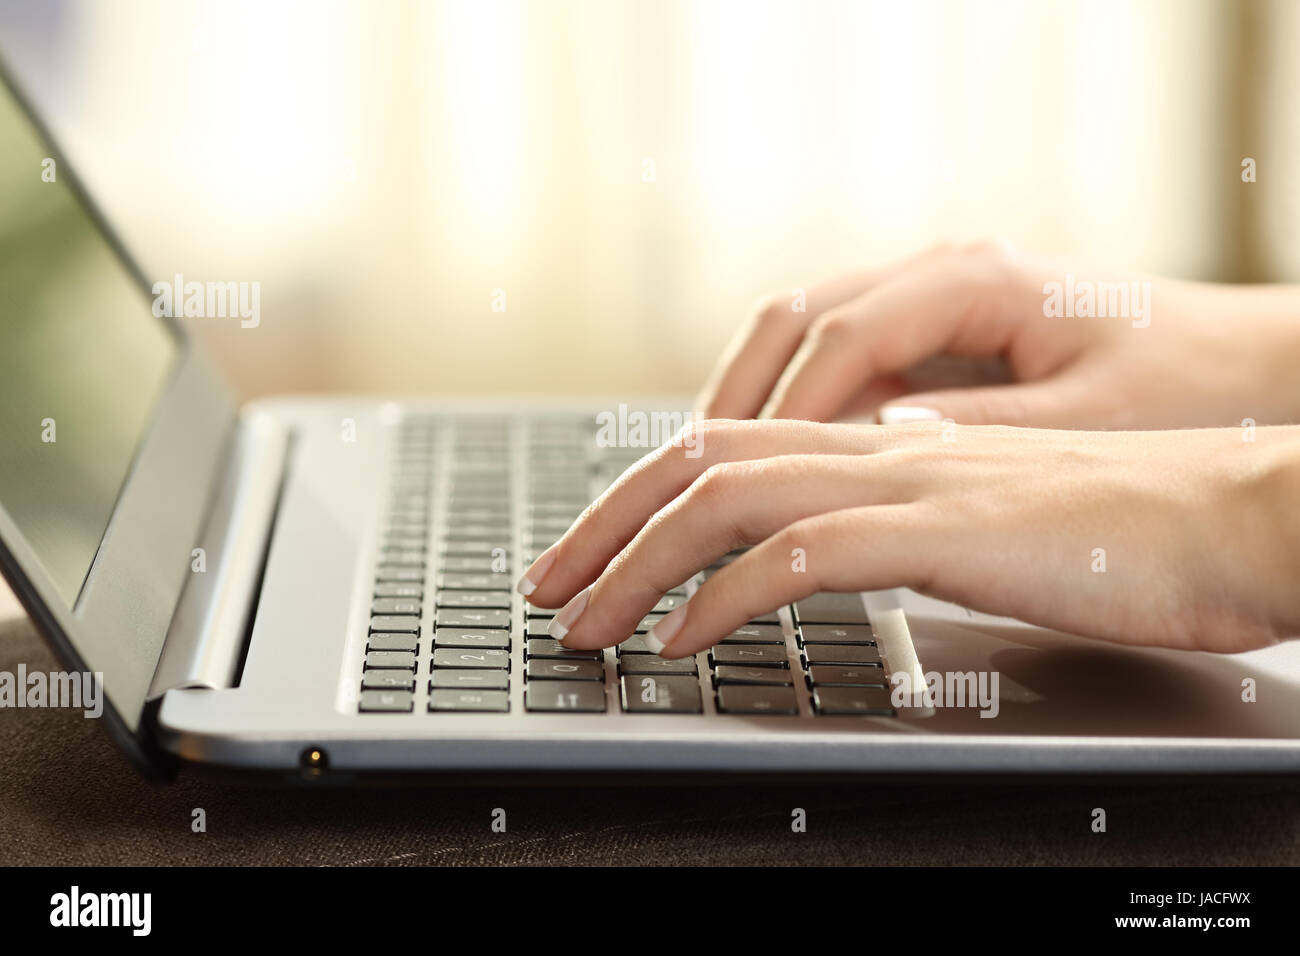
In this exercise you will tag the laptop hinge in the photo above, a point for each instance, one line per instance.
(205, 642)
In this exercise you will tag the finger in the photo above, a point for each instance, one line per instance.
(753, 360)
(859, 549)
(730, 506)
(1067, 401)
(615, 517)
(955, 305)
(865, 406)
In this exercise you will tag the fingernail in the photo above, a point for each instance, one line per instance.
(569, 614)
(536, 571)
(665, 629)
(900, 414)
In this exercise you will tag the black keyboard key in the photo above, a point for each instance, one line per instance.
(544, 669)
(387, 702)
(858, 701)
(466, 637)
(402, 606)
(830, 608)
(474, 599)
(661, 695)
(392, 589)
(538, 627)
(394, 624)
(836, 634)
(411, 530)
(571, 501)
(479, 565)
(392, 642)
(755, 655)
(385, 573)
(487, 514)
(388, 680)
(475, 582)
(410, 523)
(484, 547)
(467, 617)
(844, 675)
(477, 532)
(469, 659)
(401, 559)
(390, 660)
(556, 509)
(542, 526)
(634, 645)
(757, 699)
(756, 634)
(668, 602)
(470, 701)
(654, 664)
(841, 654)
(739, 674)
(469, 680)
(545, 647)
(399, 542)
(557, 696)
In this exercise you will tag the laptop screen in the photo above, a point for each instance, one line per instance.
(82, 360)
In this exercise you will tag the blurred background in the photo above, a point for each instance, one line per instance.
(627, 177)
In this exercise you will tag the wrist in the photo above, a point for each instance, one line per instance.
(1270, 547)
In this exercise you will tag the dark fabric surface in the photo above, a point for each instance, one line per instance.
(68, 797)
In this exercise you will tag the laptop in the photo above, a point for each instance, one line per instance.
(322, 588)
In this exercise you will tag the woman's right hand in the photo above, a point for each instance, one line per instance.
(1181, 354)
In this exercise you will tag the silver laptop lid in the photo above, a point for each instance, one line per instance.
(112, 428)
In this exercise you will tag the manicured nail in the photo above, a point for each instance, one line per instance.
(901, 414)
(665, 629)
(569, 614)
(536, 571)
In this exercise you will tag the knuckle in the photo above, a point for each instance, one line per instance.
(988, 262)
(700, 440)
(715, 484)
(987, 250)
(919, 451)
(832, 328)
(772, 309)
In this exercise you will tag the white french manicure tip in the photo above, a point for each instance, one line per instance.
(568, 615)
(531, 578)
(901, 414)
(665, 629)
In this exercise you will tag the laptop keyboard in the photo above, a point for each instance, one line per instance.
(448, 634)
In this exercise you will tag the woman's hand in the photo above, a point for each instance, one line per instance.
(1182, 354)
(1187, 539)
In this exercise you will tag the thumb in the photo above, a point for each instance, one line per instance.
(1045, 404)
